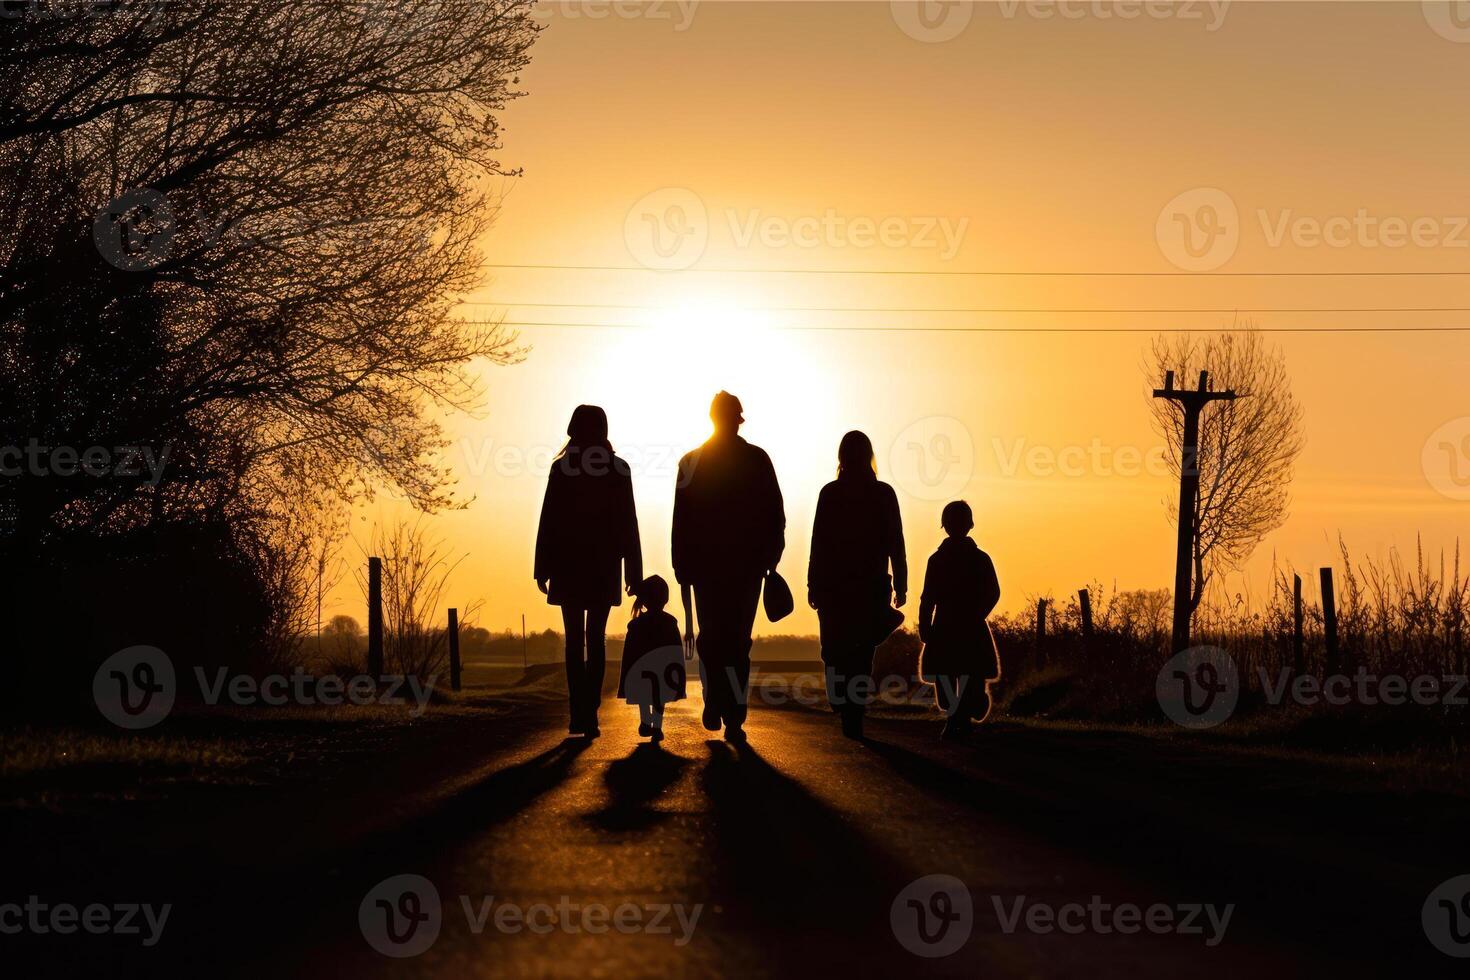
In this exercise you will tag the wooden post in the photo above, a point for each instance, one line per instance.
(1329, 621)
(1084, 598)
(524, 662)
(454, 649)
(1297, 645)
(375, 617)
(1041, 632)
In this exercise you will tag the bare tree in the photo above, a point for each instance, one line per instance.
(239, 229)
(416, 570)
(1247, 447)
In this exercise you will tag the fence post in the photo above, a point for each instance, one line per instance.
(1329, 621)
(1041, 632)
(1297, 645)
(1085, 599)
(375, 617)
(454, 649)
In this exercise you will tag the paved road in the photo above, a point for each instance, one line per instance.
(784, 857)
(792, 850)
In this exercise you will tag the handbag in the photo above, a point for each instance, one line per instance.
(776, 597)
(889, 620)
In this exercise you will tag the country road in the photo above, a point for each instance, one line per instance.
(550, 856)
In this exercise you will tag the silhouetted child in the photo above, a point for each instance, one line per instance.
(960, 590)
(653, 672)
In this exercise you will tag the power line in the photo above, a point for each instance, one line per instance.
(967, 272)
(992, 309)
(1059, 330)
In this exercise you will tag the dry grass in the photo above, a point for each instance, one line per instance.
(27, 752)
(1395, 617)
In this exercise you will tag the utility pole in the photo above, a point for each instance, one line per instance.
(1192, 403)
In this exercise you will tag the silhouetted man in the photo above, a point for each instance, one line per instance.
(729, 530)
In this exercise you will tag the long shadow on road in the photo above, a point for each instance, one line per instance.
(797, 874)
(633, 784)
(1198, 825)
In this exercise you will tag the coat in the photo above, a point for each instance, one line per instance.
(729, 521)
(960, 590)
(653, 669)
(587, 543)
(856, 535)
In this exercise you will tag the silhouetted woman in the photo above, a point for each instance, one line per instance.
(856, 537)
(586, 548)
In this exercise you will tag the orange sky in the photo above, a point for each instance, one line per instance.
(771, 136)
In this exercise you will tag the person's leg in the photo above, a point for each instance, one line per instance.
(962, 697)
(596, 662)
(828, 633)
(977, 699)
(747, 597)
(710, 608)
(849, 663)
(859, 668)
(574, 629)
(944, 693)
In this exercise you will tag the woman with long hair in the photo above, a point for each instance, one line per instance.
(587, 550)
(857, 537)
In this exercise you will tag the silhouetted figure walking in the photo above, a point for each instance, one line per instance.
(960, 590)
(653, 672)
(588, 536)
(857, 536)
(729, 531)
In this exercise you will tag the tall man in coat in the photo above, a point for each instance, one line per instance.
(729, 531)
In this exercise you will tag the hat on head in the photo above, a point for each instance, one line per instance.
(726, 405)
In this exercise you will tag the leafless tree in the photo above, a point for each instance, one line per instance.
(416, 570)
(240, 228)
(1247, 447)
